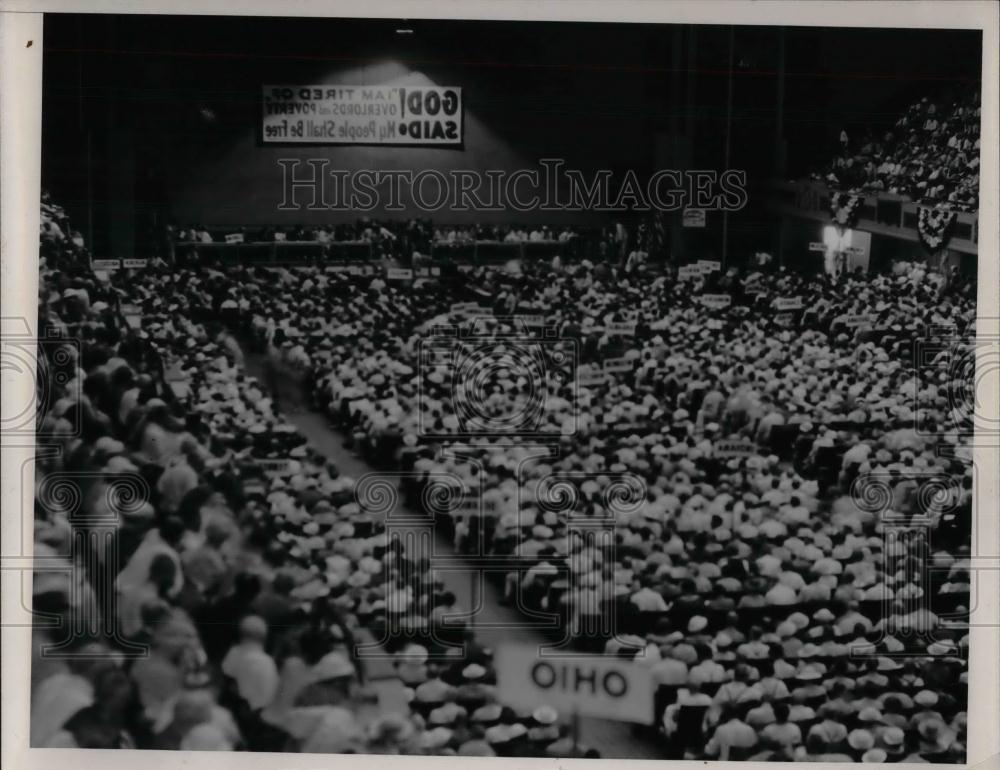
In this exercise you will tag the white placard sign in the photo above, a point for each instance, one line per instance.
(274, 466)
(592, 379)
(788, 303)
(689, 271)
(399, 274)
(621, 328)
(716, 301)
(734, 448)
(354, 114)
(618, 365)
(591, 685)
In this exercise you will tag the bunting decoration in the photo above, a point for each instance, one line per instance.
(844, 208)
(934, 226)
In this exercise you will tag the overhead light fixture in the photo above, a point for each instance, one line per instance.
(404, 31)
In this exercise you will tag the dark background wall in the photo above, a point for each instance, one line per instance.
(150, 119)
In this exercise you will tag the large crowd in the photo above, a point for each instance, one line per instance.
(735, 455)
(931, 155)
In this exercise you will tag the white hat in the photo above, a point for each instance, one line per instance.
(546, 715)
(697, 623)
(473, 671)
(333, 665)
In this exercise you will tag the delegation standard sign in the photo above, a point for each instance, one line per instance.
(590, 685)
(341, 114)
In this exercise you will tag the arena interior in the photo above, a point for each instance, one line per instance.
(321, 472)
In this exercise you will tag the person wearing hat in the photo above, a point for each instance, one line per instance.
(446, 714)
(206, 737)
(781, 733)
(544, 729)
(156, 589)
(832, 733)
(476, 745)
(411, 665)
(191, 708)
(648, 600)
(932, 740)
(926, 702)
(816, 750)
(732, 739)
(892, 740)
(432, 693)
(473, 692)
(730, 692)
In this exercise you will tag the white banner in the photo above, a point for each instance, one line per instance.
(346, 114)
(133, 315)
(591, 685)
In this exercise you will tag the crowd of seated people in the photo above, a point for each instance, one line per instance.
(931, 155)
(245, 575)
(367, 230)
(824, 426)
(762, 585)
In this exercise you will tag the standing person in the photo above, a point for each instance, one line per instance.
(272, 366)
(231, 346)
(621, 243)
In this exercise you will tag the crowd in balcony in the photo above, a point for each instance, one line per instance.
(930, 155)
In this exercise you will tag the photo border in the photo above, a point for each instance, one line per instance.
(21, 49)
